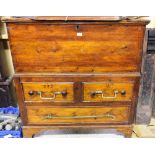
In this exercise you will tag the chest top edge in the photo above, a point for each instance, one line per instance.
(106, 20)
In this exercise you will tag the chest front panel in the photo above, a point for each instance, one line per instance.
(76, 48)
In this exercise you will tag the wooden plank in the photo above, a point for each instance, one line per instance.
(67, 19)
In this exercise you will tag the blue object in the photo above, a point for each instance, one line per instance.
(9, 110)
(11, 133)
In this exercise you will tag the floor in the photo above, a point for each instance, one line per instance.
(139, 131)
(144, 131)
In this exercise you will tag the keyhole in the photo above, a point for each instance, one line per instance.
(77, 27)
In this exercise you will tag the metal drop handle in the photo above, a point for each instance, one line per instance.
(102, 94)
(52, 97)
(106, 115)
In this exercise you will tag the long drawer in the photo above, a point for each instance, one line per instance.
(65, 115)
(75, 48)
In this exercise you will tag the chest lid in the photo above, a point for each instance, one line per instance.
(102, 19)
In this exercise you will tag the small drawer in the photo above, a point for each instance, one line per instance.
(65, 115)
(107, 91)
(48, 92)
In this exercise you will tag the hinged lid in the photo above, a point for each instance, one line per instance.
(64, 18)
(100, 19)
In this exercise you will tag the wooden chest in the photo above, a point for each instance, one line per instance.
(76, 73)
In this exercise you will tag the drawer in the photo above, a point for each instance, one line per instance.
(76, 48)
(107, 91)
(50, 115)
(48, 92)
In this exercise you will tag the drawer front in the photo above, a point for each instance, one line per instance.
(76, 48)
(105, 91)
(48, 92)
(49, 115)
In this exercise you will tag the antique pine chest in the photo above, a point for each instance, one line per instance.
(76, 72)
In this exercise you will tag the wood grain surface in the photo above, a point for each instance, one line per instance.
(86, 55)
(34, 131)
(60, 49)
(79, 88)
(50, 115)
(47, 91)
(76, 19)
(124, 91)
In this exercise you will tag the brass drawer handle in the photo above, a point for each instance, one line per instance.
(106, 115)
(63, 93)
(102, 94)
(49, 98)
